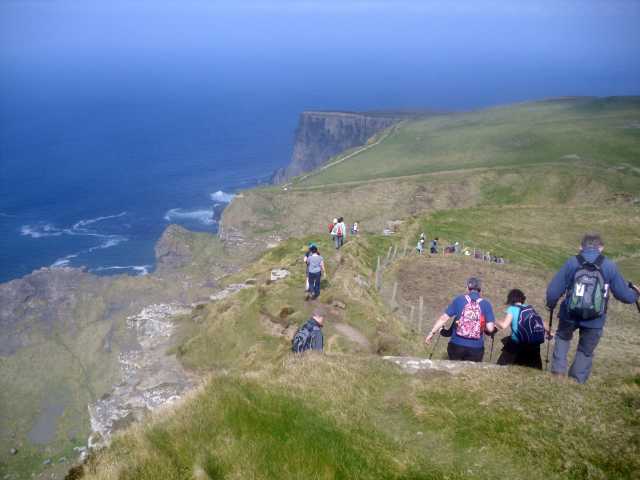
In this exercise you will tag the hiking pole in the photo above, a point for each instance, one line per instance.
(493, 337)
(549, 338)
(435, 344)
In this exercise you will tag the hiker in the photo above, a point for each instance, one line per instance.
(309, 336)
(420, 246)
(434, 245)
(585, 280)
(331, 225)
(339, 232)
(306, 264)
(355, 228)
(528, 332)
(315, 266)
(473, 317)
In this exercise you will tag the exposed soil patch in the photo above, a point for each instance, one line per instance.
(353, 335)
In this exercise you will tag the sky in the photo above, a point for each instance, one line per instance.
(475, 44)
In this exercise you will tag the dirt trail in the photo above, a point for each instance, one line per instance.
(353, 335)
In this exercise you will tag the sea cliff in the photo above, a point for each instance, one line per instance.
(322, 135)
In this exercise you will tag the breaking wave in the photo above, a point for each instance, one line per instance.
(140, 270)
(222, 197)
(203, 216)
(80, 228)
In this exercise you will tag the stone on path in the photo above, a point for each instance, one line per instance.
(279, 274)
(415, 364)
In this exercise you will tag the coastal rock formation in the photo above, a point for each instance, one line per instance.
(322, 135)
(149, 378)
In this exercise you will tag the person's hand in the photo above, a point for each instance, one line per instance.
(428, 338)
(551, 307)
(548, 334)
(631, 285)
(491, 334)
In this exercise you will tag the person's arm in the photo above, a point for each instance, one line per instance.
(559, 284)
(505, 322)
(489, 317)
(444, 318)
(323, 269)
(620, 288)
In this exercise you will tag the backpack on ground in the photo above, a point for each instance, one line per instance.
(530, 326)
(302, 339)
(588, 296)
(471, 322)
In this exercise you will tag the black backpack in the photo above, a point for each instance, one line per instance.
(588, 296)
(302, 339)
(530, 326)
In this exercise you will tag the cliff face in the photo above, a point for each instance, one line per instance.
(321, 135)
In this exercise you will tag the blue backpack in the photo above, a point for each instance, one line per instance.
(530, 326)
(302, 339)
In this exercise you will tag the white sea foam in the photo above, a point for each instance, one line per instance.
(78, 229)
(141, 270)
(64, 261)
(84, 223)
(203, 216)
(222, 197)
(40, 231)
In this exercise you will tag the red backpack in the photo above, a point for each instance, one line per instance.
(330, 227)
(471, 322)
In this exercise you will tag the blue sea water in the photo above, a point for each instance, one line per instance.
(92, 178)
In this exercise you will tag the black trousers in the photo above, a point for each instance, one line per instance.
(520, 354)
(458, 352)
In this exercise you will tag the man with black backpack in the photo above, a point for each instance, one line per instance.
(473, 317)
(309, 336)
(586, 281)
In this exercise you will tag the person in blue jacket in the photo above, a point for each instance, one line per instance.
(590, 330)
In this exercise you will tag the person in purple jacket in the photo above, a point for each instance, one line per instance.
(577, 280)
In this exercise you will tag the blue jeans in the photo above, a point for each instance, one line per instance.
(339, 241)
(314, 283)
(587, 342)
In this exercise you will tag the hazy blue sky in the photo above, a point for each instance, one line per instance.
(541, 47)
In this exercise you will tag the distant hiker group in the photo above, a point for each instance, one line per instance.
(433, 245)
(586, 281)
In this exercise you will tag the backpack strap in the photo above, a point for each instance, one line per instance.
(581, 260)
(599, 261)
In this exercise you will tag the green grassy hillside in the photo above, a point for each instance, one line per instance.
(601, 131)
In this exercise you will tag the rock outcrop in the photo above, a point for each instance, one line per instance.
(322, 135)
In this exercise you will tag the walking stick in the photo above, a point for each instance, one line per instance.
(493, 337)
(435, 344)
(549, 338)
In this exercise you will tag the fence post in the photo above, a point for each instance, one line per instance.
(378, 274)
(420, 314)
(411, 316)
(389, 254)
(395, 251)
(393, 295)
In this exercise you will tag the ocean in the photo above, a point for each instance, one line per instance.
(92, 180)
